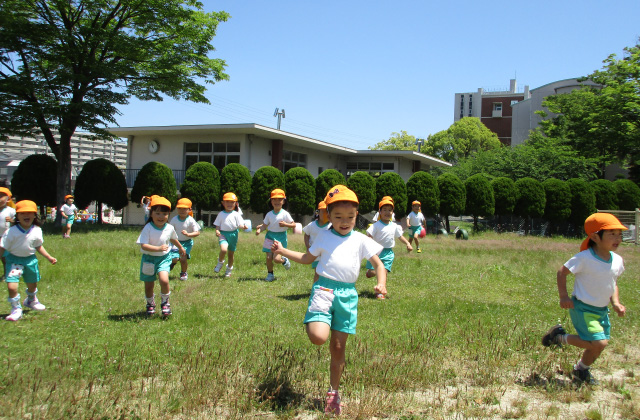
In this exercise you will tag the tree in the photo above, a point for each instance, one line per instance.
(505, 195)
(583, 202)
(606, 194)
(103, 182)
(452, 197)
(301, 192)
(422, 186)
(364, 185)
(531, 201)
(327, 179)
(558, 196)
(391, 184)
(155, 178)
(201, 185)
(480, 200)
(236, 178)
(397, 141)
(67, 65)
(461, 140)
(627, 194)
(265, 180)
(35, 180)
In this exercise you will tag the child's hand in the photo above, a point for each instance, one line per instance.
(53, 261)
(566, 302)
(257, 231)
(620, 309)
(409, 248)
(380, 289)
(183, 252)
(164, 247)
(282, 223)
(276, 247)
(184, 232)
(217, 233)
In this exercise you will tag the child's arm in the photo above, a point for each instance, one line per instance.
(258, 228)
(404, 241)
(178, 245)
(615, 302)
(306, 241)
(191, 234)
(289, 225)
(154, 248)
(381, 275)
(217, 231)
(565, 300)
(44, 253)
(298, 257)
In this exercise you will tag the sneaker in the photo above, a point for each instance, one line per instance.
(380, 296)
(16, 314)
(584, 377)
(227, 272)
(333, 403)
(286, 263)
(151, 308)
(419, 251)
(33, 304)
(166, 309)
(183, 275)
(553, 336)
(218, 266)
(270, 277)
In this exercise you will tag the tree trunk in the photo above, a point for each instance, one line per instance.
(446, 223)
(99, 211)
(63, 181)
(475, 224)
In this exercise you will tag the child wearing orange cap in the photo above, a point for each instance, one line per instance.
(69, 213)
(312, 230)
(276, 222)
(21, 242)
(596, 268)
(187, 228)
(154, 242)
(333, 304)
(377, 215)
(7, 216)
(144, 202)
(416, 222)
(227, 224)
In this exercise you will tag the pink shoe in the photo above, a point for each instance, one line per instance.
(333, 403)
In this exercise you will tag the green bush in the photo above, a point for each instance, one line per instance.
(202, 186)
(265, 180)
(480, 201)
(301, 192)
(628, 194)
(236, 178)
(35, 180)
(505, 194)
(391, 184)
(531, 198)
(583, 202)
(364, 185)
(155, 178)
(327, 179)
(453, 196)
(558, 197)
(100, 180)
(422, 186)
(606, 195)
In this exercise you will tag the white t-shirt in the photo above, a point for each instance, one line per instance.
(146, 208)
(22, 243)
(273, 220)
(228, 221)
(385, 233)
(4, 213)
(340, 256)
(68, 210)
(377, 216)
(415, 219)
(595, 279)
(313, 229)
(152, 235)
(189, 224)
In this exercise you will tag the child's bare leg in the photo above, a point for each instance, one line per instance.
(12, 289)
(592, 349)
(148, 288)
(337, 347)
(163, 278)
(230, 262)
(184, 264)
(223, 252)
(278, 259)
(269, 262)
(318, 332)
(417, 241)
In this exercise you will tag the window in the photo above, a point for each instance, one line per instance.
(293, 160)
(497, 110)
(513, 102)
(219, 154)
(375, 169)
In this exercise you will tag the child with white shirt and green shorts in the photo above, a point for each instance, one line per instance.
(227, 223)
(186, 228)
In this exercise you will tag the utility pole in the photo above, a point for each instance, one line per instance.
(280, 115)
(419, 142)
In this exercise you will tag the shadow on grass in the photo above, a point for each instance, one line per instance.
(536, 380)
(241, 279)
(367, 294)
(277, 391)
(299, 296)
(136, 316)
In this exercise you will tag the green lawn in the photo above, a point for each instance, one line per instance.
(458, 337)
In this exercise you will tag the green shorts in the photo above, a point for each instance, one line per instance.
(70, 219)
(591, 322)
(271, 236)
(415, 229)
(25, 267)
(334, 303)
(151, 265)
(386, 256)
(229, 237)
(187, 245)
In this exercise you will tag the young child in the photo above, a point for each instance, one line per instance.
(21, 242)
(154, 242)
(7, 216)
(69, 213)
(385, 233)
(377, 215)
(144, 202)
(415, 223)
(276, 222)
(187, 228)
(596, 269)
(312, 230)
(227, 224)
(332, 309)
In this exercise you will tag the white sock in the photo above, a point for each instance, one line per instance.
(581, 366)
(164, 297)
(150, 300)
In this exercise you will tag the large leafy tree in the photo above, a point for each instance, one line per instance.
(391, 184)
(364, 185)
(397, 141)
(67, 65)
(423, 187)
(480, 199)
(201, 185)
(236, 178)
(327, 179)
(301, 192)
(265, 180)
(461, 140)
(155, 178)
(34, 180)
(453, 196)
(101, 181)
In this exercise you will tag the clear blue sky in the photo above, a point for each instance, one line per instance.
(352, 72)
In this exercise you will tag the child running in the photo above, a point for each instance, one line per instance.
(332, 309)
(596, 269)
(385, 232)
(415, 223)
(7, 216)
(187, 228)
(154, 242)
(277, 221)
(144, 202)
(227, 224)
(21, 242)
(377, 215)
(69, 213)
(312, 230)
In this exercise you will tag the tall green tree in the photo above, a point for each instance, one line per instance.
(103, 182)
(68, 65)
(301, 192)
(558, 206)
(155, 178)
(423, 187)
(397, 141)
(480, 200)
(327, 179)
(391, 184)
(201, 185)
(606, 194)
(364, 185)
(35, 180)
(583, 202)
(531, 201)
(265, 180)
(463, 138)
(453, 197)
(236, 178)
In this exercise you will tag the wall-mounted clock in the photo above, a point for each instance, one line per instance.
(153, 146)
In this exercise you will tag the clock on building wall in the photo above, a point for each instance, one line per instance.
(153, 146)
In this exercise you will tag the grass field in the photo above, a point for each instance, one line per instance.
(458, 337)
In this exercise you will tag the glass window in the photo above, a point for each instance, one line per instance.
(220, 147)
(293, 160)
(388, 166)
(190, 160)
(191, 147)
(205, 147)
(233, 147)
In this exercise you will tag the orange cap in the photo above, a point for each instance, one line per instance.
(183, 203)
(5, 191)
(340, 193)
(232, 197)
(387, 197)
(26, 206)
(416, 202)
(156, 200)
(278, 193)
(597, 222)
(385, 201)
(68, 196)
(322, 205)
